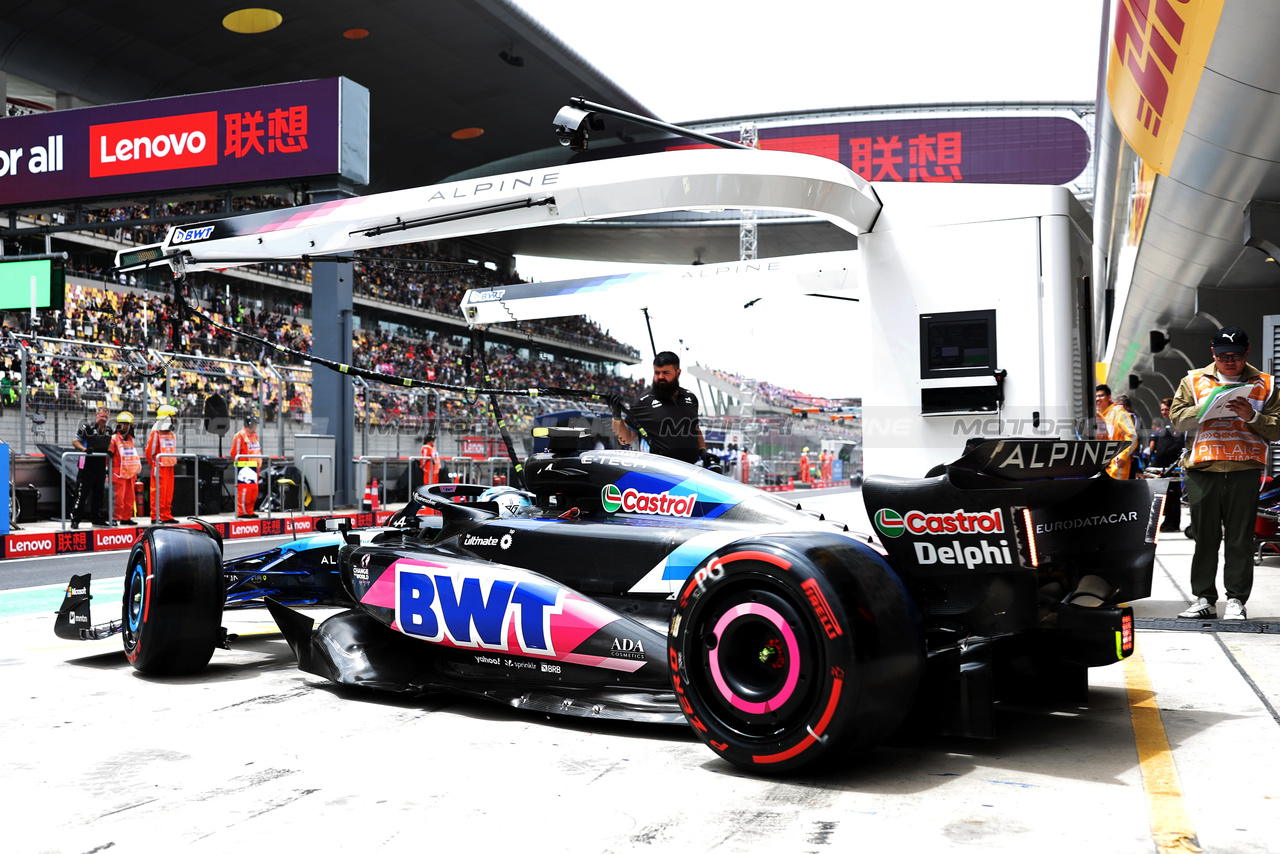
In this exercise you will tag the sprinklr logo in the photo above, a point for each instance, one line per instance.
(889, 523)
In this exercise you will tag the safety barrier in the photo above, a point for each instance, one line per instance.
(58, 542)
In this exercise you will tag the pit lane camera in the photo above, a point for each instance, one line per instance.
(572, 125)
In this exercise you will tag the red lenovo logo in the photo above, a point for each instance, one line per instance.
(106, 540)
(28, 545)
(244, 529)
(153, 145)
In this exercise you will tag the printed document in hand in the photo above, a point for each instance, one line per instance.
(1216, 404)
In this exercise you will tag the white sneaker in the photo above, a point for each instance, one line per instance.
(1201, 609)
(1234, 610)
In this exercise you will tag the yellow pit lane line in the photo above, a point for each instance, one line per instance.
(1171, 826)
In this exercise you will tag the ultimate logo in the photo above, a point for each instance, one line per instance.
(889, 523)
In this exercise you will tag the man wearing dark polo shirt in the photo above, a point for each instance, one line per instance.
(667, 413)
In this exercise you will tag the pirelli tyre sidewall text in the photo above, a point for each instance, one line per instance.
(173, 597)
(794, 652)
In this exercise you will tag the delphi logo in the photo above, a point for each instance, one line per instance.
(153, 145)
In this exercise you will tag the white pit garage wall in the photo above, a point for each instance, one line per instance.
(1020, 251)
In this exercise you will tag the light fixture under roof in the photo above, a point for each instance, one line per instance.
(510, 57)
(251, 21)
(467, 133)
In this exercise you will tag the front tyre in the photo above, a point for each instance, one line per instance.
(800, 651)
(173, 597)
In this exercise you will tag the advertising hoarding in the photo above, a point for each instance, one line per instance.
(1008, 149)
(258, 135)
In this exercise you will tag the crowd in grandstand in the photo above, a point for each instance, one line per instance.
(772, 394)
(83, 366)
(412, 276)
(415, 276)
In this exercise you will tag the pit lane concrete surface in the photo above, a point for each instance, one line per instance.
(1177, 750)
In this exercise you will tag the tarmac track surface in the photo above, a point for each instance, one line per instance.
(254, 755)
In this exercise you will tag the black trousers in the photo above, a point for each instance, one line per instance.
(1172, 520)
(1224, 510)
(91, 489)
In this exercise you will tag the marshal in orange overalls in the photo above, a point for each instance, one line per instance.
(161, 440)
(125, 465)
(245, 444)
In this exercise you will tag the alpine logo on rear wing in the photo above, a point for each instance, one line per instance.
(1038, 459)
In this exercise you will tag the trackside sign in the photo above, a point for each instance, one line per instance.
(241, 136)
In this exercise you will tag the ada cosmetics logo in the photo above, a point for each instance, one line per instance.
(889, 523)
(634, 501)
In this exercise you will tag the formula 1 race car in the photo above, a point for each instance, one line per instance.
(624, 585)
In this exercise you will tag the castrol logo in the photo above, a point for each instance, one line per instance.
(634, 501)
(955, 522)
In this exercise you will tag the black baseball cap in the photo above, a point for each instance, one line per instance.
(1230, 339)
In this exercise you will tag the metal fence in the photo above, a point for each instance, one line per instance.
(49, 387)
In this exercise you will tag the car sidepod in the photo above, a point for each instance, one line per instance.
(433, 621)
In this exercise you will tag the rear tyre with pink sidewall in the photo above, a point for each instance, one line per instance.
(794, 652)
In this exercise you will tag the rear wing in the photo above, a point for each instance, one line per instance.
(1038, 459)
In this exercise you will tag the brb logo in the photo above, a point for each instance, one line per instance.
(634, 501)
(476, 608)
(153, 145)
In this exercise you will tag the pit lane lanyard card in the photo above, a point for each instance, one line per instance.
(1215, 405)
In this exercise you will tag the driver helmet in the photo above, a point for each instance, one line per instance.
(508, 498)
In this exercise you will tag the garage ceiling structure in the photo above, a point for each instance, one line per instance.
(1192, 271)
(432, 68)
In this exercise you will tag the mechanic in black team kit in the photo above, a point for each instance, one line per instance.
(667, 413)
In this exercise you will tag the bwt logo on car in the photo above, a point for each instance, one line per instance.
(487, 296)
(153, 145)
(186, 235)
(634, 501)
(457, 608)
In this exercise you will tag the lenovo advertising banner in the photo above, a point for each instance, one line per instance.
(242, 136)
(998, 149)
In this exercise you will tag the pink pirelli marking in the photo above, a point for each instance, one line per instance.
(789, 641)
